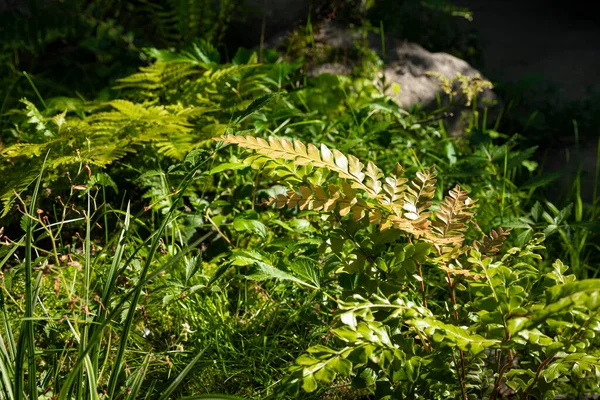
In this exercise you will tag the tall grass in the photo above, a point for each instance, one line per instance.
(79, 372)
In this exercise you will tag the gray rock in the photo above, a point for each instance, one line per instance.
(407, 66)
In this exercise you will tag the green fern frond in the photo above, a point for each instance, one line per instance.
(159, 76)
(179, 21)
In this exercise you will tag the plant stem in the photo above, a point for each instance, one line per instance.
(537, 374)
(499, 381)
(462, 355)
(422, 284)
(218, 230)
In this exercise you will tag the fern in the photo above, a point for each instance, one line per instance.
(490, 245)
(159, 76)
(451, 220)
(318, 199)
(183, 20)
(388, 202)
(168, 109)
(347, 167)
(418, 199)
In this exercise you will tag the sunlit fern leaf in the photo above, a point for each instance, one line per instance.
(379, 201)
(394, 188)
(418, 197)
(490, 245)
(451, 220)
(347, 167)
(313, 197)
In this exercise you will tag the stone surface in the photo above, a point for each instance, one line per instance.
(408, 64)
(405, 64)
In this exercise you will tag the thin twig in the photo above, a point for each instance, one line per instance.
(218, 230)
(499, 380)
(537, 374)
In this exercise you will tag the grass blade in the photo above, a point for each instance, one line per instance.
(26, 343)
(212, 397)
(134, 295)
(138, 378)
(177, 381)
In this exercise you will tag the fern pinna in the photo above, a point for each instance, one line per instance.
(365, 192)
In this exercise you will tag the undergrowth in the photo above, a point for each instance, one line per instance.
(145, 254)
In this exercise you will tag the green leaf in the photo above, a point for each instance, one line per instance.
(516, 324)
(325, 375)
(264, 268)
(242, 224)
(553, 371)
(562, 292)
(307, 270)
(340, 366)
(226, 167)
(421, 251)
(309, 384)
(306, 359)
(457, 335)
(366, 378)
(349, 319)
(360, 355)
(255, 106)
(195, 157)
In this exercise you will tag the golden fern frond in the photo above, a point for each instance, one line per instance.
(347, 167)
(451, 220)
(418, 197)
(458, 270)
(395, 188)
(490, 245)
(314, 197)
(388, 202)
